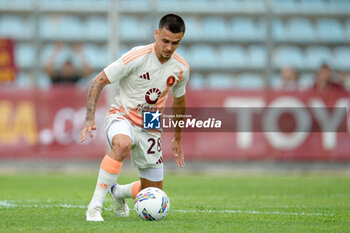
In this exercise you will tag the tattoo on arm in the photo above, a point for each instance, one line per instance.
(93, 96)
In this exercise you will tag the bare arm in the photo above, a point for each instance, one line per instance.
(97, 84)
(179, 108)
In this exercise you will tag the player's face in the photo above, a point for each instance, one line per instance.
(166, 43)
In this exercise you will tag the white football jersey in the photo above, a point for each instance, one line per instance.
(144, 83)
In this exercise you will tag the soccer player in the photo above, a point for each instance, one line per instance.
(145, 75)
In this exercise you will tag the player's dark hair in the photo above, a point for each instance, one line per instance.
(173, 23)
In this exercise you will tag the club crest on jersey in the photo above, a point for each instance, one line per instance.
(145, 76)
(170, 81)
(152, 95)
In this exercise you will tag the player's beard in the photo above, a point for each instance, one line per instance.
(167, 55)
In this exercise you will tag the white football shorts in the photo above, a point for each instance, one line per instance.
(146, 152)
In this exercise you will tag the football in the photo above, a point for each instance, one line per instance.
(152, 204)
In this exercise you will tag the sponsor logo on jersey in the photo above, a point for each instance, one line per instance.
(152, 95)
(151, 120)
(145, 76)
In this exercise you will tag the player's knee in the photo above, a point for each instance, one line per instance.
(121, 145)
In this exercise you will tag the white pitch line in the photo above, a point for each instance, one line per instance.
(253, 212)
(11, 204)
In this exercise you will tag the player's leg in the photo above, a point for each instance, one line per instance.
(148, 183)
(110, 168)
(119, 193)
(126, 191)
(121, 137)
(108, 173)
(147, 156)
(149, 177)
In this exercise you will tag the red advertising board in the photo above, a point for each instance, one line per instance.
(47, 124)
(7, 60)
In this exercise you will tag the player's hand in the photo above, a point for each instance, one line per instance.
(176, 145)
(89, 126)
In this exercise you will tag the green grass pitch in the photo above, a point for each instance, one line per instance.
(199, 203)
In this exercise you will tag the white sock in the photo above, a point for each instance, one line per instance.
(124, 191)
(104, 181)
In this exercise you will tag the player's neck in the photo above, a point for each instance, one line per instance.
(160, 58)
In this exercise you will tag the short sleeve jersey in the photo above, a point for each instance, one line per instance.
(144, 83)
